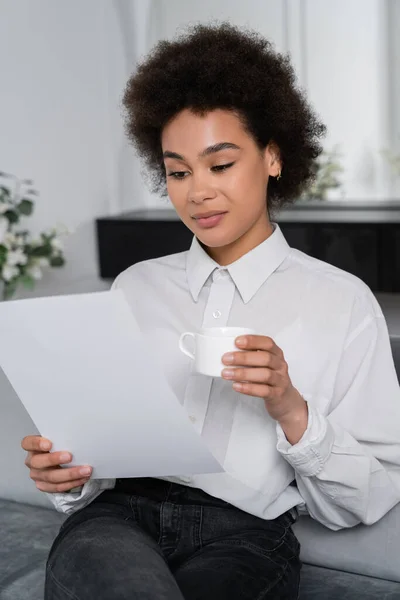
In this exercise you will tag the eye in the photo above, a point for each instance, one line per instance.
(178, 174)
(220, 168)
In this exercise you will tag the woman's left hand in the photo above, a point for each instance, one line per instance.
(260, 370)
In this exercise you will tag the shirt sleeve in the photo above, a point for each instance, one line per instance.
(347, 464)
(69, 503)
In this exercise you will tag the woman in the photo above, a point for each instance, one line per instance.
(308, 420)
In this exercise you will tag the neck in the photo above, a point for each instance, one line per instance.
(226, 255)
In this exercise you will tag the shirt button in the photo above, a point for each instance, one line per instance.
(217, 314)
(192, 419)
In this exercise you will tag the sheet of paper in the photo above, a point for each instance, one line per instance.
(90, 383)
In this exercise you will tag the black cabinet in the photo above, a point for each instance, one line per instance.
(363, 240)
(125, 240)
(353, 248)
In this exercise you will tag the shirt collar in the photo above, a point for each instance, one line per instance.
(248, 273)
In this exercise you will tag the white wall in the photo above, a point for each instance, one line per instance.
(393, 20)
(267, 16)
(347, 68)
(53, 121)
(138, 29)
(340, 51)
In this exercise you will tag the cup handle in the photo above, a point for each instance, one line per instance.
(182, 345)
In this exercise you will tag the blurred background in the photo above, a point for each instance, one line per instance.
(64, 65)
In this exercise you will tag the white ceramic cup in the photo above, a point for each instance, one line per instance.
(210, 345)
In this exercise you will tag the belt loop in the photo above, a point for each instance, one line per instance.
(168, 492)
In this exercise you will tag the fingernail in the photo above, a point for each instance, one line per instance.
(85, 471)
(65, 457)
(229, 358)
(45, 445)
(241, 341)
(228, 373)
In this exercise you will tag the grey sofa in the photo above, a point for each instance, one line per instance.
(362, 563)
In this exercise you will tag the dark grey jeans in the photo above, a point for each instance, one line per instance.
(150, 539)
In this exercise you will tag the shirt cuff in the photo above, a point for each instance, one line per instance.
(69, 503)
(310, 454)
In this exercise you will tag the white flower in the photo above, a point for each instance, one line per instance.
(61, 229)
(4, 207)
(57, 244)
(35, 272)
(9, 240)
(3, 228)
(43, 262)
(16, 257)
(20, 240)
(9, 272)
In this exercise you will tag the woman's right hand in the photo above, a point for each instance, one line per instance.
(45, 467)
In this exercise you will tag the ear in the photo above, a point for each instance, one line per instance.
(273, 162)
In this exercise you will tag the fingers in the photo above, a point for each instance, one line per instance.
(253, 359)
(57, 476)
(28, 459)
(59, 488)
(45, 467)
(258, 342)
(258, 390)
(252, 375)
(36, 443)
(49, 459)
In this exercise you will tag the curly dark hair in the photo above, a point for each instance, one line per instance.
(221, 66)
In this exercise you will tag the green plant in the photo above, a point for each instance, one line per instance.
(327, 171)
(393, 160)
(22, 257)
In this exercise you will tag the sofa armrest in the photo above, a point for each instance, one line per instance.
(367, 550)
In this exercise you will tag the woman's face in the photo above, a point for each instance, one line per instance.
(217, 179)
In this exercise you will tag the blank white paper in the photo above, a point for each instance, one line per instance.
(91, 384)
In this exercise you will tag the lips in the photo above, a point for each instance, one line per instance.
(208, 214)
(210, 219)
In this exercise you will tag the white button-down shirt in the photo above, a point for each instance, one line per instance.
(335, 341)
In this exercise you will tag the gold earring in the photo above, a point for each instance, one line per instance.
(278, 177)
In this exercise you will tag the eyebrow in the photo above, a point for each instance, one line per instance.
(206, 152)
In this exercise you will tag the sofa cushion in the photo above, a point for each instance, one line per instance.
(324, 584)
(27, 533)
(373, 551)
(390, 304)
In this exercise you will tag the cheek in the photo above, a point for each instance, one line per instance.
(249, 176)
(246, 186)
(177, 195)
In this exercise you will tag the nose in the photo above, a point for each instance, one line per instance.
(199, 190)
